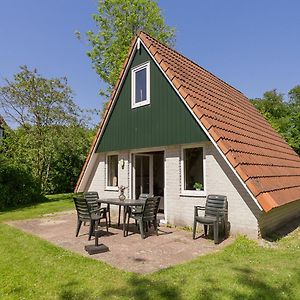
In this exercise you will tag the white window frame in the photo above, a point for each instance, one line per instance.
(150, 172)
(192, 193)
(108, 187)
(133, 72)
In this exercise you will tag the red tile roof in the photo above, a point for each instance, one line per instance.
(265, 162)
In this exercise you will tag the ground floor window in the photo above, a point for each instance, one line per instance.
(112, 170)
(193, 169)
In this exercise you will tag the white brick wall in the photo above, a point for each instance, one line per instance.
(179, 209)
(97, 180)
(219, 180)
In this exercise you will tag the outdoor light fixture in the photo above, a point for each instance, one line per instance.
(122, 162)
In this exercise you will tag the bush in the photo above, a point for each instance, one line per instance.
(17, 186)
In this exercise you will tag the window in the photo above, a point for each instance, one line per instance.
(112, 171)
(140, 85)
(193, 177)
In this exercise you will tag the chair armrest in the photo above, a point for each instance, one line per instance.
(197, 208)
(98, 209)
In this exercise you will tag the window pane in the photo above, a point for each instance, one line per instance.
(142, 175)
(112, 164)
(140, 85)
(193, 167)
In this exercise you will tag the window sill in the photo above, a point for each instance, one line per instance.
(112, 188)
(193, 194)
(139, 104)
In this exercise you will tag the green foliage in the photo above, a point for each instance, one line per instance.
(65, 149)
(51, 140)
(71, 148)
(17, 186)
(117, 22)
(198, 186)
(284, 116)
(34, 100)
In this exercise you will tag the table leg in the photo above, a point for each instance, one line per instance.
(109, 221)
(124, 220)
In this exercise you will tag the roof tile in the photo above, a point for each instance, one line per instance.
(263, 160)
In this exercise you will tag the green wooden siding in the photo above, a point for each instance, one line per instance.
(166, 121)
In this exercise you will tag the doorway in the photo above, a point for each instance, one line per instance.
(148, 175)
(143, 167)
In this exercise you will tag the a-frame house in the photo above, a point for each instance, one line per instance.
(171, 127)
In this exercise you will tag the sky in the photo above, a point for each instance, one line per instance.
(252, 45)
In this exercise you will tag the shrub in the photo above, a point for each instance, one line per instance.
(17, 186)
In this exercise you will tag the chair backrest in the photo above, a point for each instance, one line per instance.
(82, 208)
(214, 202)
(91, 199)
(144, 196)
(149, 209)
(157, 200)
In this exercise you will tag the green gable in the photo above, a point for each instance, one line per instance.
(165, 121)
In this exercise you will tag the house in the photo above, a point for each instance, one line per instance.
(170, 124)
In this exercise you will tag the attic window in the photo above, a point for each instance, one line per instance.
(140, 85)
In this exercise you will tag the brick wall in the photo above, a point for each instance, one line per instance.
(97, 180)
(219, 180)
(179, 209)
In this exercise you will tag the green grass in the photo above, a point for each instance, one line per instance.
(31, 268)
(55, 203)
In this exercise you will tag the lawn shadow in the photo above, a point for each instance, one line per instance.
(44, 199)
(252, 286)
(139, 287)
(69, 292)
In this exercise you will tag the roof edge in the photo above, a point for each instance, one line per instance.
(106, 112)
(202, 126)
(143, 32)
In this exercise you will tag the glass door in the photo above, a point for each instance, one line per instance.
(143, 174)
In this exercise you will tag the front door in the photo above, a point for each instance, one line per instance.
(143, 174)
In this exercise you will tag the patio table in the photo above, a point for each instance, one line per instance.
(125, 203)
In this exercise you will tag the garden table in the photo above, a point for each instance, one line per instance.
(125, 203)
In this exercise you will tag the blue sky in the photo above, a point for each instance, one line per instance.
(252, 45)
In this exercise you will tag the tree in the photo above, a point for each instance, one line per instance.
(118, 21)
(44, 111)
(284, 116)
(17, 185)
(293, 133)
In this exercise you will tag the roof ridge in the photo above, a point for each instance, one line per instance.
(194, 63)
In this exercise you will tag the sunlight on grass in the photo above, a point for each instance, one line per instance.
(56, 203)
(32, 268)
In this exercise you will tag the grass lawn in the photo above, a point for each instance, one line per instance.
(31, 268)
(54, 204)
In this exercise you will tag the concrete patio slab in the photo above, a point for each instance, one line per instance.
(172, 246)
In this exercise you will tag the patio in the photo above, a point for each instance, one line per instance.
(172, 246)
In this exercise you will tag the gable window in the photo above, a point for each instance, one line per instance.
(112, 171)
(140, 85)
(193, 170)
